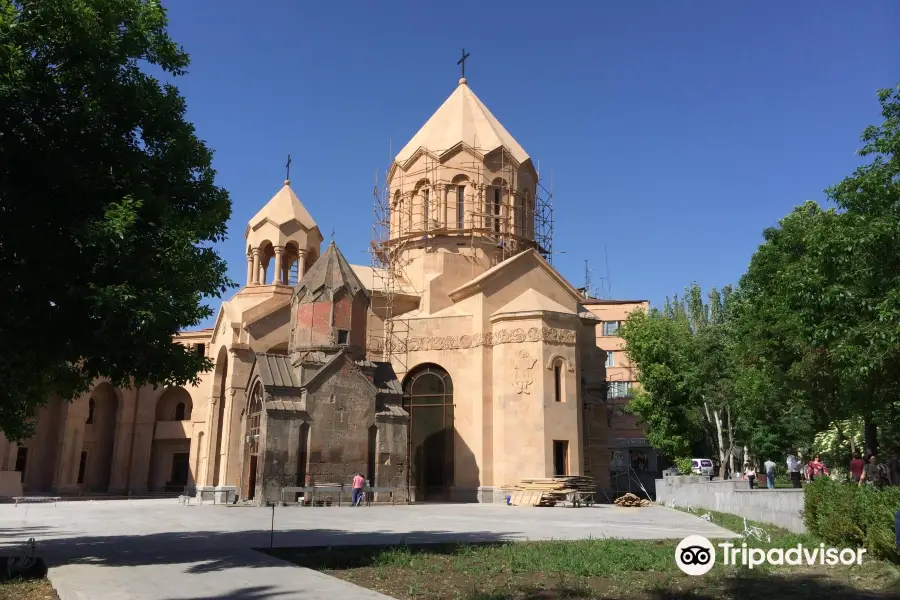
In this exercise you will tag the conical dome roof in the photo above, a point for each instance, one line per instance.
(284, 207)
(463, 118)
(327, 276)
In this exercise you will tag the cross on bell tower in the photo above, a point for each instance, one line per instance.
(462, 62)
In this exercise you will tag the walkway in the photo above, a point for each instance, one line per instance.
(177, 552)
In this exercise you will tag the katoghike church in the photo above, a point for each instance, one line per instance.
(455, 364)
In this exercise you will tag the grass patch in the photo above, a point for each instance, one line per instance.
(594, 568)
(20, 589)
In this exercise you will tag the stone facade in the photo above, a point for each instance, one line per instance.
(467, 365)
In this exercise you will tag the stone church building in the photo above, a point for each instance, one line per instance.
(459, 362)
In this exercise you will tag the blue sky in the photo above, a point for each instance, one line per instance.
(675, 131)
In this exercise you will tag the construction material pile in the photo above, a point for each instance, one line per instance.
(630, 500)
(551, 491)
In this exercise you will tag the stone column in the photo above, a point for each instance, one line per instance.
(440, 204)
(255, 267)
(249, 269)
(279, 252)
(301, 264)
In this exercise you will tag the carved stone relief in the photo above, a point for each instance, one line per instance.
(487, 339)
(523, 377)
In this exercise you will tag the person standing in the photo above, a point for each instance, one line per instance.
(358, 483)
(856, 467)
(793, 468)
(874, 473)
(816, 468)
(750, 473)
(893, 467)
(770, 474)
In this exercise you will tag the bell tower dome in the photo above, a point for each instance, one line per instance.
(463, 190)
(282, 238)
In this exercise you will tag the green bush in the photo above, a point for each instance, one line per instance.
(845, 515)
(684, 465)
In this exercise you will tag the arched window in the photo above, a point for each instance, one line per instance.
(557, 380)
(91, 406)
(254, 414)
(426, 201)
(496, 211)
(460, 206)
(179, 411)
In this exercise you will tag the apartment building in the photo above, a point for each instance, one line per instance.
(627, 442)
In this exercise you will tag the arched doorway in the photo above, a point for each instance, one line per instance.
(251, 448)
(428, 397)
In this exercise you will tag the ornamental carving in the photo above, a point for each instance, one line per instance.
(523, 377)
(487, 339)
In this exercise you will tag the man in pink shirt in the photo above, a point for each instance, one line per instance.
(358, 483)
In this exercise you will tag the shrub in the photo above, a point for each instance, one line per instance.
(846, 515)
(684, 465)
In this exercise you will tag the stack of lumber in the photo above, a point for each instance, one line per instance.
(631, 500)
(550, 491)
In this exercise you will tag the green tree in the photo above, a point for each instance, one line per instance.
(681, 357)
(108, 206)
(868, 294)
(820, 302)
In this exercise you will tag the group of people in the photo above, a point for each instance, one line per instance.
(868, 471)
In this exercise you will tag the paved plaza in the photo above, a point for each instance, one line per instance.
(144, 549)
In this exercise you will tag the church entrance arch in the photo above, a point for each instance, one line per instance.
(251, 448)
(428, 397)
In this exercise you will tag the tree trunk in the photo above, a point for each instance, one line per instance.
(870, 434)
(717, 421)
(730, 438)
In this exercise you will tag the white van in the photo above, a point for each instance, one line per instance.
(702, 466)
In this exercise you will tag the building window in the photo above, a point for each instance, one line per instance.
(200, 349)
(610, 327)
(82, 466)
(560, 458)
(21, 461)
(427, 197)
(557, 381)
(460, 206)
(610, 359)
(179, 412)
(342, 336)
(496, 210)
(91, 406)
(618, 389)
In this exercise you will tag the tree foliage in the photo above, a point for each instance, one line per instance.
(108, 204)
(681, 359)
(811, 339)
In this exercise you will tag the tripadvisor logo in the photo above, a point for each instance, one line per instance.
(696, 555)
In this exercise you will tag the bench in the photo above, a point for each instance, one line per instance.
(339, 490)
(313, 492)
(27, 499)
(371, 491)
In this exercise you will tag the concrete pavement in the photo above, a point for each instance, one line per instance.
(158, 549)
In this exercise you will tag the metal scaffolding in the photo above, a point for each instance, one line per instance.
(494, 215)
